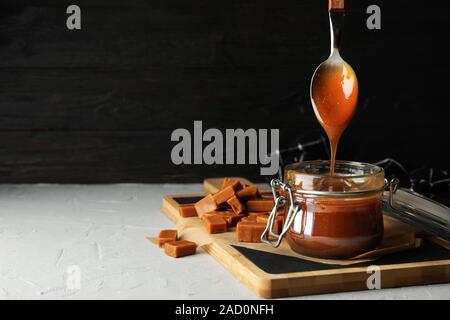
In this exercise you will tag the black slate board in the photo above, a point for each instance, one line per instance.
(187, 200)
(277, 264)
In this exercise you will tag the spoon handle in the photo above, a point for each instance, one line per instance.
(335, 5)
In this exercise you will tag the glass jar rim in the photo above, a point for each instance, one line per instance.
(299, 167)
(351, 178)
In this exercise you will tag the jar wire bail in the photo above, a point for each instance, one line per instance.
(279, 200)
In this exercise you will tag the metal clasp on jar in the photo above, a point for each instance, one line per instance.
(280, 200)
(392, 187)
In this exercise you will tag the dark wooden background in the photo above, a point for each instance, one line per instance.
(99, 104)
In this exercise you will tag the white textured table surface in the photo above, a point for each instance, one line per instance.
(45, 229)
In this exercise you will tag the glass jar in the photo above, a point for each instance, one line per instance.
(334, 217)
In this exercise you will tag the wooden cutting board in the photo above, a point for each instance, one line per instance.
(272, 275)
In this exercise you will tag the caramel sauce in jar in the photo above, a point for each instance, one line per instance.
(340, 216)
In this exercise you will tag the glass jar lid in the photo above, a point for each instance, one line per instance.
(417, 210)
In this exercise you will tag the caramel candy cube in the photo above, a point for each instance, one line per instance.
(215, 224)
(249, 231)
(262, 213)
(260, 205)
(223, 195)
(249, 219)
(180, 248)
(226, 182)
(232, 218)
(187, 211)
(236, 205)
(234, 183)
(166, 236)
(212, 213)
(277, 224)
(207, 204)
(250, 192)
